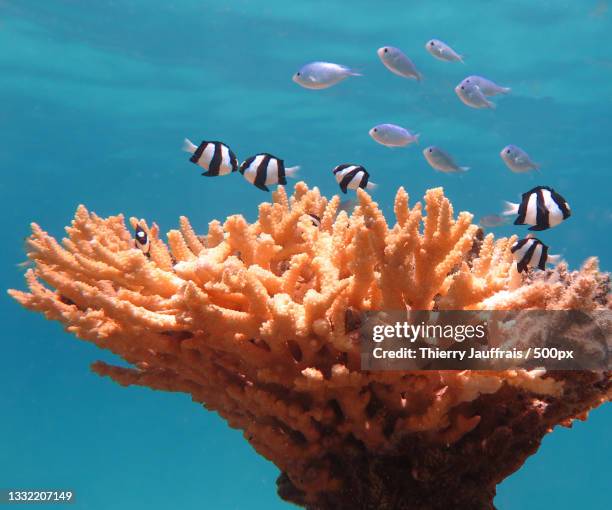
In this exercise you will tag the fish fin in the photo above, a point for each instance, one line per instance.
(537, 166)
(262, 187)
(464, 168)
(491, 105)
(461, 57)
(554, 259)
(371, 185)
(188, 146)
(208, 174)
(292, 171)
(538, 228)
(506, 90)
(351, 72)
(419, 77)
(510, 208)
(417, 137)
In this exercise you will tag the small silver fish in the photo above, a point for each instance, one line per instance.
(440, 160)
(398, 63)
(487, 87)
(392, 135)
(322, 75)
(471, 95)
(348, 206)
(493, 220)
(517, 159)
(443, 51)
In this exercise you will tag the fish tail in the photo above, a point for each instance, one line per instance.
(371, 185)
(464, 168)
(491, 105)
(554, 259)
(417, 137)
(188, 146)
(510, 208)
(537, 166)
(506, 90)
(419, 77)
(292, 171)
(461, 57)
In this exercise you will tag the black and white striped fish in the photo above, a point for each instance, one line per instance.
(316, 220)
(214, 157)
(531, 252)
(142, 241)
(350, 176)
(542, 207)
(264, 169)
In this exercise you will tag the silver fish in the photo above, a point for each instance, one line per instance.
(517, 159)
(443, 51)
(493, 220)
(398, 63)
(440, 160)
(487, 87)
(322, 75)
(471, 95)
(348, 206)
(392, 135)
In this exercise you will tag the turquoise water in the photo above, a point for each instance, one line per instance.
(96, 99)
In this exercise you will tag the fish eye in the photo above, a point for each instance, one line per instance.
(299, 73)
(375, 130)
(386, 50)
(507, 151)
(462, 87)
(430, 150)
(432, 43)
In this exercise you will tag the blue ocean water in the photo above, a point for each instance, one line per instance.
(96, 98)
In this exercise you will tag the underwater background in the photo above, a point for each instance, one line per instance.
(95, 100)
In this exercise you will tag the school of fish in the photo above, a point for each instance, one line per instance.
(541, 207)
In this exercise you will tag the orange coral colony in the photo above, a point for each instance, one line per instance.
(259, 323)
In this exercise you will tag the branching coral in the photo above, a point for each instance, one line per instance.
(259, 323)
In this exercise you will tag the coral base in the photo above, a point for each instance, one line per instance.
(423, 476)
